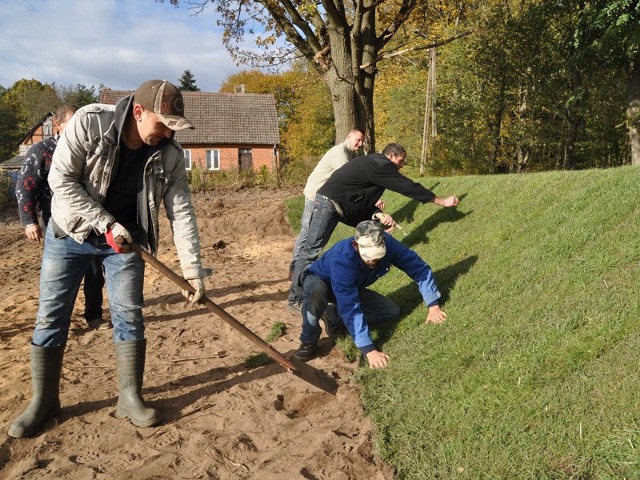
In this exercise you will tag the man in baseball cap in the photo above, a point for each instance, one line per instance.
(165, 100)
(370, 239)
(104, 199)
(334, 290)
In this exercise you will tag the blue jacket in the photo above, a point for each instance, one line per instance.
(342, 268)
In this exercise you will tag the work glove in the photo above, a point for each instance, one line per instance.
(198, 286)
(118, 238)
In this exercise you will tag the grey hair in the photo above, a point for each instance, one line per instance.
(395, 149)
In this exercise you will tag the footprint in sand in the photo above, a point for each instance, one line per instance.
(164, 438)
(244, 443)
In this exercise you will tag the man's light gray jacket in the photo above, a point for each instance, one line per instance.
(84, 164)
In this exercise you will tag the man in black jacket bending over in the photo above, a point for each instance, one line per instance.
(349, 196)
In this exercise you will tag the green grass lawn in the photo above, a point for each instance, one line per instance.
(534, 375)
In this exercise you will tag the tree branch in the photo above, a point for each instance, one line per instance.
(385, 56)
(405, 10)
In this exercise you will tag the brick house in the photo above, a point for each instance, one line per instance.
(233, 131)
(41, 131)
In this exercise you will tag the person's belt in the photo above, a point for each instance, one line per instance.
(336, 205)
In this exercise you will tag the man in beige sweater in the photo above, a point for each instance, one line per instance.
(335, 158)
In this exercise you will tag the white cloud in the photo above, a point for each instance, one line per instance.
(119, 43)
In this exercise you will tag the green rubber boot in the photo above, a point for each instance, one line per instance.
(46, 366)
(130, 356)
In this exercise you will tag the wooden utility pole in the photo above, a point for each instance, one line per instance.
(430, 127)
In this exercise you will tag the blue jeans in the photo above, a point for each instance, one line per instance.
(317, 293)
(64, 263)
(324, 220)
(93, 282)
(302, 236)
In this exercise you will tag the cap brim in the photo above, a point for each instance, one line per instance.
(374, 252)
(175, 122)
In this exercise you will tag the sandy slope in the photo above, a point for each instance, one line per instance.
(220, 419)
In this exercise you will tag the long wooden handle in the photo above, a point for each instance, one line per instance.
(184, 285)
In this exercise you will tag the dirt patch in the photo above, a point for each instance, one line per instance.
(221, 420)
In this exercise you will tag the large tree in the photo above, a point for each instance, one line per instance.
(30, 100)
(303, 106)
(78, 95)
(9, 132)
(612, 29)
(21, 106)
(343, 41)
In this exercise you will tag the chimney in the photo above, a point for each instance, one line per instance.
(239, 89)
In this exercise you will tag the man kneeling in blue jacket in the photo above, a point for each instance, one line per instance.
(342, 274)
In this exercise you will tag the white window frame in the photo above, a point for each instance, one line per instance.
(213, 159)
(47, 129)
(187, 158)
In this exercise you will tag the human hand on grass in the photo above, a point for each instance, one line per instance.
(435, 315)
(451, 201)
(377, 359)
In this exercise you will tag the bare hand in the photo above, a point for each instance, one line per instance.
(33, 232)
(377, 359)
(435, 315)
(451, 201)
(385, 220)
(380, 204)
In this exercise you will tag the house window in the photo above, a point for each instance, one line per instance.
(47, 129)
(213, 159)
(187, 158)
(245, 158)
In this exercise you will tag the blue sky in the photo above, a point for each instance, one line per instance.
(119, 43)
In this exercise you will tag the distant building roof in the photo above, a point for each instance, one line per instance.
(48, 116)
(14, 163)
(222, 118)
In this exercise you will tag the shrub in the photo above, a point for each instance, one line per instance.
(7, 188)
(292, 174)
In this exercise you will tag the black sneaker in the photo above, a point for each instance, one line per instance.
(305, 352)
(333, 325)
(295, 306)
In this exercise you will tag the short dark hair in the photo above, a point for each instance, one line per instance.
(63, 110)
(394, 148)
(356, 129)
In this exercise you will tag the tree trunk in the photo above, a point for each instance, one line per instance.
(497, 126)
(575, 120)
(633, 112)
(344, 102)
(351, 87)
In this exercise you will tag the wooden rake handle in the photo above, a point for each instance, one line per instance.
(184, 285)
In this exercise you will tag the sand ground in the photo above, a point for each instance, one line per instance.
(221, 420)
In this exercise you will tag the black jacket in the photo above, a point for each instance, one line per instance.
(359, 184)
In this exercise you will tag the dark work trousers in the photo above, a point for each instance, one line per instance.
(93, 283)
